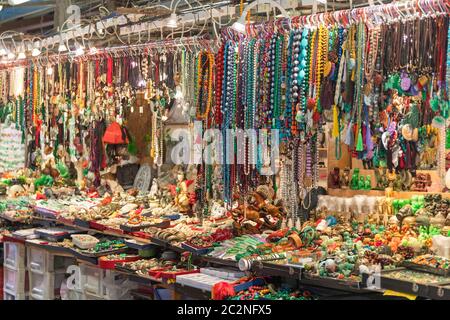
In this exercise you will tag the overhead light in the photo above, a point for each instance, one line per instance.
(239, 25)
(11, 55)
(16, 2)
(172, 22)
(3, 52)
(93, 50)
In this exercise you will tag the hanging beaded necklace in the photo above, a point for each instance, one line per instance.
(359, 84)
(204, 85)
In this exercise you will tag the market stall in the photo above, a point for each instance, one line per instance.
(300, 158)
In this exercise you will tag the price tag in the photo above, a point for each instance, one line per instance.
(132, 109)
(399, 294)
(141, 110)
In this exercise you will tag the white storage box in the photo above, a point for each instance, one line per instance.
(14, 281)
(45, 286)
(11, 296)
(14, 255)
(84, 241)
(92, 280)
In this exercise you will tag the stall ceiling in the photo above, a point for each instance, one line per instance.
(38, 16)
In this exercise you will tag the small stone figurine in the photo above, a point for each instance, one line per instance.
(355, 180)
(334, 179)
(345, 178)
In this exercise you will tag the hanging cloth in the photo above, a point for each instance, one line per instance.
(114, 134)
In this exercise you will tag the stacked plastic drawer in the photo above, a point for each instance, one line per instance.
(46, 273)
(14, 271)
(99, 284)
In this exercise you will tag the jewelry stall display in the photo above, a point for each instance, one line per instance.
(304, 147)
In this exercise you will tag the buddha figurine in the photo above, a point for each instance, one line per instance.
(180, 191)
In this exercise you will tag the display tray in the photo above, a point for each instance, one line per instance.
(143, 278)
(244, 286)
(196, 250)
(131, 243)
(47, 213)
(273, 269)
(440, 292)
(110, 264)
(424, 268)
(55, 236)
(81, 223)
(100, 253)
(141, 234)
(165, 274)
(223, 262)
(65, 221)
(97, 226)
(101, 227)
(15, 220)
(131, 228)
(42, 244)
(173, 216)
(401, 285)
(331, 282)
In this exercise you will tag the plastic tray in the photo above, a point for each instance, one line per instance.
(141, 234)
(81, 223)
(419, 267)
(84, 244)
(138, 245)
(97, 226)
(46, 212)
(163, 273)
(418, 289)
(163, 225)
(196, 250)
(54, 235)
(111, 264)
(65, 221)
